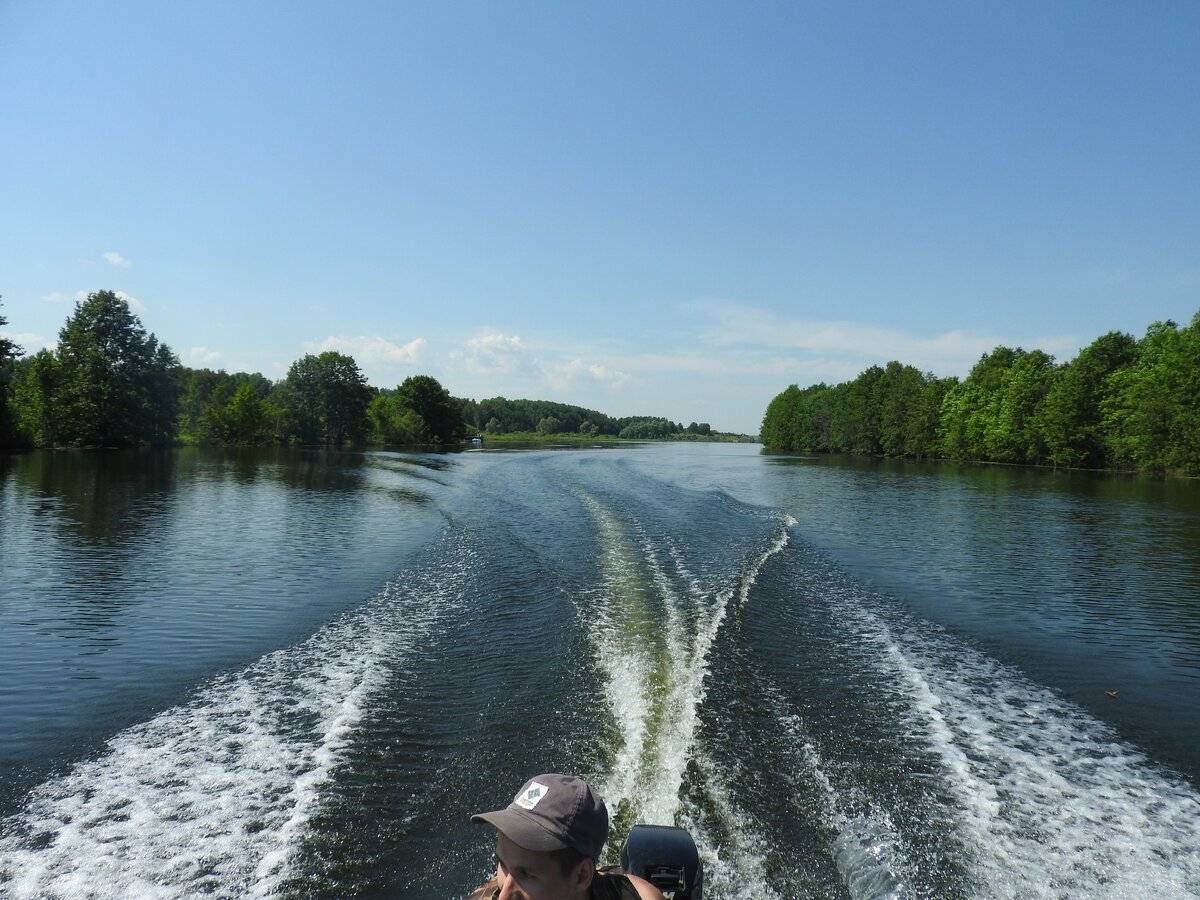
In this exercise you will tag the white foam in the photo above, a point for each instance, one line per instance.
(734, 867)
(215, 797)
(867, 847)
(1049, 801)
(648, 770)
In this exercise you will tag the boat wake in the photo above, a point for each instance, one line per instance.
(216, 796)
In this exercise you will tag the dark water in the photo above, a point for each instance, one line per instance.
(297, 674)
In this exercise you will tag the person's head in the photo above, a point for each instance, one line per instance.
(550, 838)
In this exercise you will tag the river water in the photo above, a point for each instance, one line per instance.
(297, 673)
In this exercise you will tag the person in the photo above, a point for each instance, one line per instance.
(548, 843)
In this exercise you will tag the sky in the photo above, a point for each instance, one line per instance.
(672, 209)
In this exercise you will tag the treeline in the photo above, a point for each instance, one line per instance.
(1121, 403)
(502, 416)
(110, 384)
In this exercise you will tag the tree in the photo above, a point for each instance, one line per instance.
(326, 399)
(391, 422)
(248, 418)
(117, 385)
(1013, 435)
(9, 351)
(1152, 411)
(971, 407)
(647, 428)
(1071, 419)
(442, 416)
(549, 425)
(34, 399)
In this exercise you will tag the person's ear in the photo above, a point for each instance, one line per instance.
(584, 872)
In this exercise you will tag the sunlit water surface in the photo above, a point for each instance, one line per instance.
(296, 673)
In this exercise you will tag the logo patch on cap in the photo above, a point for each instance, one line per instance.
(530, 797)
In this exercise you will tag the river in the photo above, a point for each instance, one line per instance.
(286, 673)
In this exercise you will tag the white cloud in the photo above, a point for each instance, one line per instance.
(945, 353)
(54, 297)
(132, 302)
(117, 259)
(371, 349)
(27, 341)
(563, 373)
(493, 353)
(202, 356)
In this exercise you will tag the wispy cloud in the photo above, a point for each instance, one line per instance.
(493, 353)
(371, 349)
(27, 341)
(117, 259)
(132, 302)
(947, 352)
(573, 370)
(54, 297)
(202, 356)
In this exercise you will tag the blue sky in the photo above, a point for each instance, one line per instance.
(668, 209)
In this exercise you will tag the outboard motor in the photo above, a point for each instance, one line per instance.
(667, 858)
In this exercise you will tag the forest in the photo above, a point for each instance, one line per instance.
(109, 383)
(1121, 403)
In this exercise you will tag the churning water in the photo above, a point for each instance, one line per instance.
(298, 674)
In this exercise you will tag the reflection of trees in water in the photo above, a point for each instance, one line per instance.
(92, 517)
(104, 527)
(96, 490)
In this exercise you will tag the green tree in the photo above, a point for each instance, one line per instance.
(325, 397)
(248, 418)
(1152, 413)
(779, 425)
(647, 428)
(1071, 419)
(9, 351)
(972, 407)
(1011, 433)
(426, 397)
(549, 425)
(391, 422)
(117, 384)
(35, 393)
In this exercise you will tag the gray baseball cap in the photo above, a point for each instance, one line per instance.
(553, 812)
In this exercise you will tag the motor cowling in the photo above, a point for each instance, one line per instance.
(667, 858)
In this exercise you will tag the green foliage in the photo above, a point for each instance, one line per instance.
(1013, 435)
(549, 425)
(248, 417)
(1152, 412)
(1120, 402)
(35, 400)
(1071, 419)
(9, 352)
(115, 385)
(325, 399)
(432, 403)
(392, 422)
(209, 414)
(648, 428)
(498, 415)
